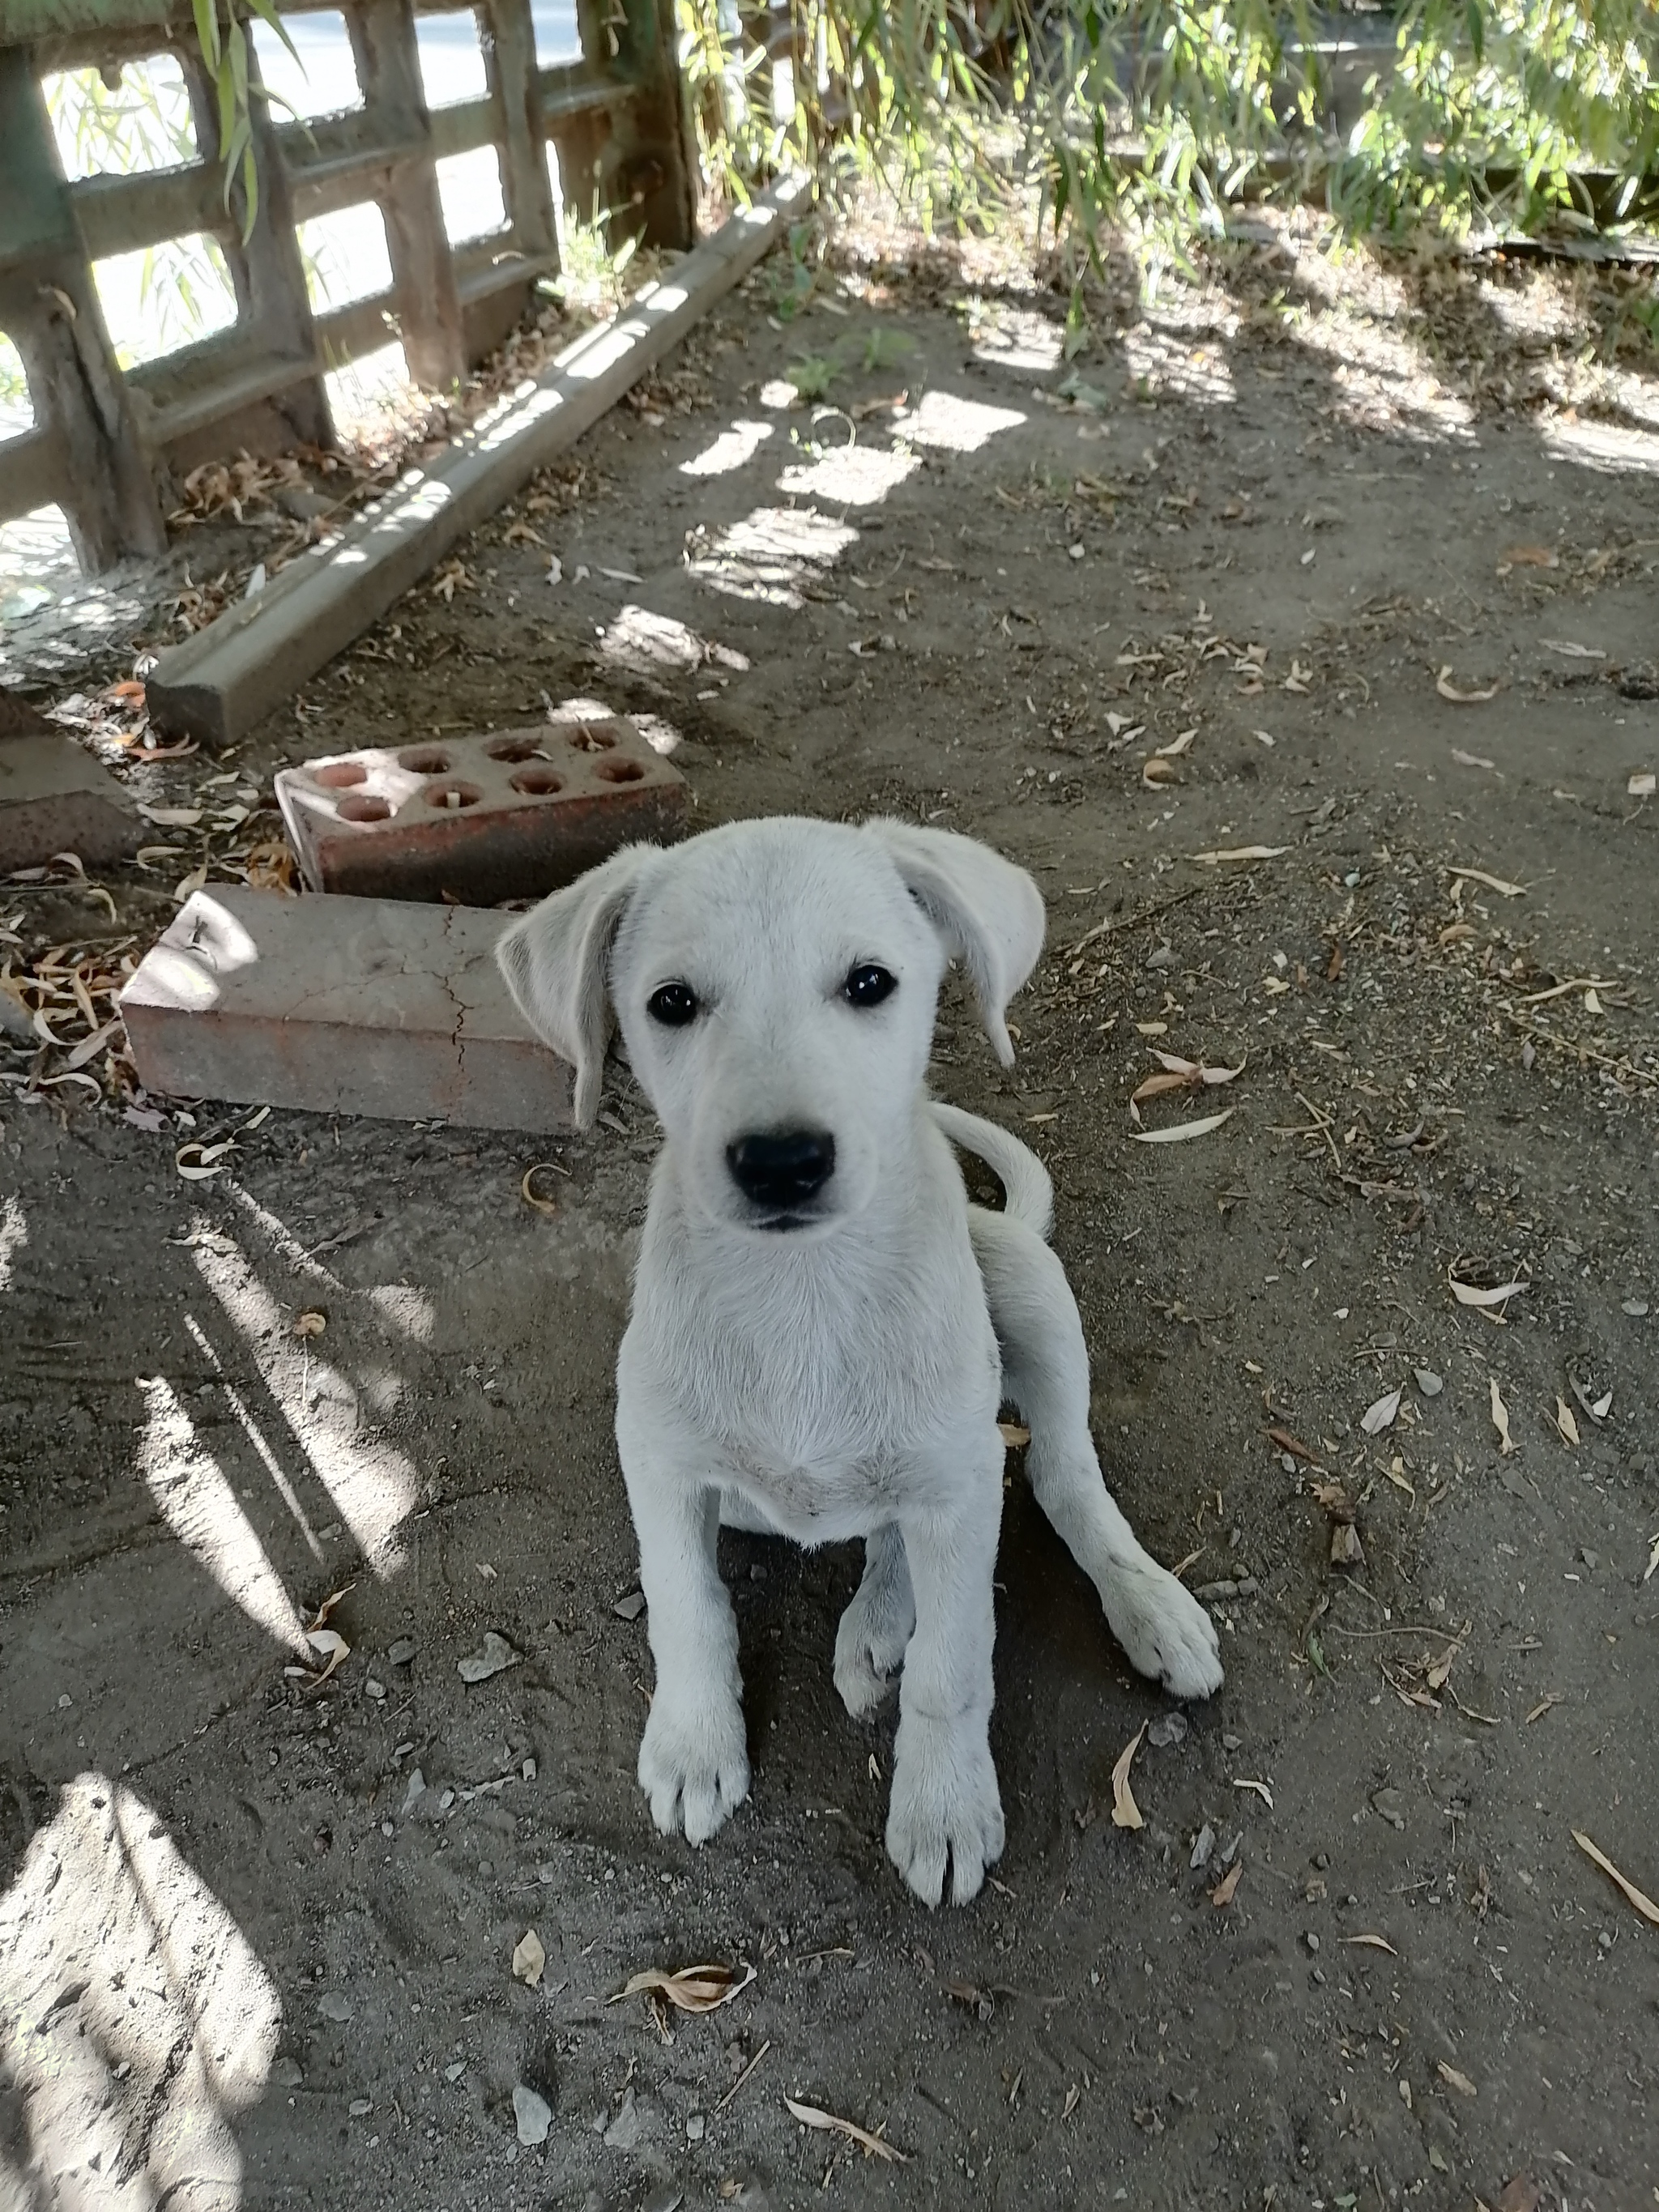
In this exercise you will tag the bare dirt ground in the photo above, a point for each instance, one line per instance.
(257, 1936)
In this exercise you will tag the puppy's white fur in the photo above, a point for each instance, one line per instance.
(843, 1377)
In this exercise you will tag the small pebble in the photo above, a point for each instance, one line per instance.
(1312, 1941)
(414, 1790)
(359, 2106)
(1391, 1806)
(1287, 1462)
(1203, 1844)
(287, 2073)
(495, 1654)
(401, 1652)
(1232, 1742)
(630, 1607)
(696, 2127)
(334, 2007)
(375, 1690)
(1170, 1728)
(533, 2114)
(1428, 1382)
(1636, 1309)
(623, 2131)
(388, 1828)
(454, 2070)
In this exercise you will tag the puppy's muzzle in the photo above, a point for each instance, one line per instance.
(781, 1171)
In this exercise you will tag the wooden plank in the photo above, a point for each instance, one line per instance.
(49, 309)
(219, 682)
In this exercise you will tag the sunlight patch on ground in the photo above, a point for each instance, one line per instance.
(954, 425)
(136, 2020)
(14, 1236)
(731, 450)
(373, 1486)
(1167, 365)
(201, 1508)
(767, 554)
(37, 564)
(852, 475)
(1382, 381)
(1013, 338)
(1604, 447)
(659, 645)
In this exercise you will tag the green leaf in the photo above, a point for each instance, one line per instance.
(207, 30)
(267, 14)
(250, 191)
(239, 142)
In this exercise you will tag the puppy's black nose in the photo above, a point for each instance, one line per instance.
(783, 1168)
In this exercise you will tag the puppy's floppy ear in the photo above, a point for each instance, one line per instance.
(555, 960)
(988, 912)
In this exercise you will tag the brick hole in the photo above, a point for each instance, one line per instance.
(450, 796)
(513, 748)
(425, 760)
(538, 782)
(619, 771)
(342, 774)
(587, 739)
(362, 807)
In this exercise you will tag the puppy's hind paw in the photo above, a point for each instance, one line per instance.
(1164, 1630)
(870, 1647)
(694, 1766)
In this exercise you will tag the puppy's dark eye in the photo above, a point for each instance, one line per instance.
(673, 1005)
(868, 985)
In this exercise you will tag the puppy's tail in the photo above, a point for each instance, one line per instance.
(1029, 1193)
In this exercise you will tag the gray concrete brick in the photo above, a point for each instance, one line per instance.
(345, 1005)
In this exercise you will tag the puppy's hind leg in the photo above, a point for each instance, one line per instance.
(1045, 1371)
(876, 1626)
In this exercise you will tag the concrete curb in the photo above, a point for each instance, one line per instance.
(219, 682)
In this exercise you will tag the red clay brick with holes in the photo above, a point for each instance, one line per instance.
(511, 814)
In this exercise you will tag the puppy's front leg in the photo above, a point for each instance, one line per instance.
(945, 1804)
(694, 1760)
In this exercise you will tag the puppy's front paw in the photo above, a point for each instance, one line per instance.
(871, 1643)
(1165, 1631)
(946, 1805)
(693, 1763)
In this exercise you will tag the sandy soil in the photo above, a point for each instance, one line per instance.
(264, 1945)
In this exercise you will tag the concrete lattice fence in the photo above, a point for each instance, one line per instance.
(106, 444)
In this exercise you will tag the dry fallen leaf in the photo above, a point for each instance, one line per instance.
(328, 1645)
(532, 1198)
(1222, 1894)
(1073, 2097)
(1644, 1904)
(1373, 1943)
(1448, 689)
(1014, 1434)
(1380, 1416)
(1182, 1130)
(811, 2116)
(1454, 2079)
(1471, 1294)
(1500, 1420)
(1571, 652)
(693, 1989)
(1241, 853)
(200, 1162)
(1492, 883)
(1175, 746)
(1564, 1421)
(1126, 1813)
(1346, 1551)
(310, 1323)
(1532, 556)
(1157, 772)
(528, 1958)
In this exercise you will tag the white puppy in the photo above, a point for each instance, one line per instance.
(823, 1328)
